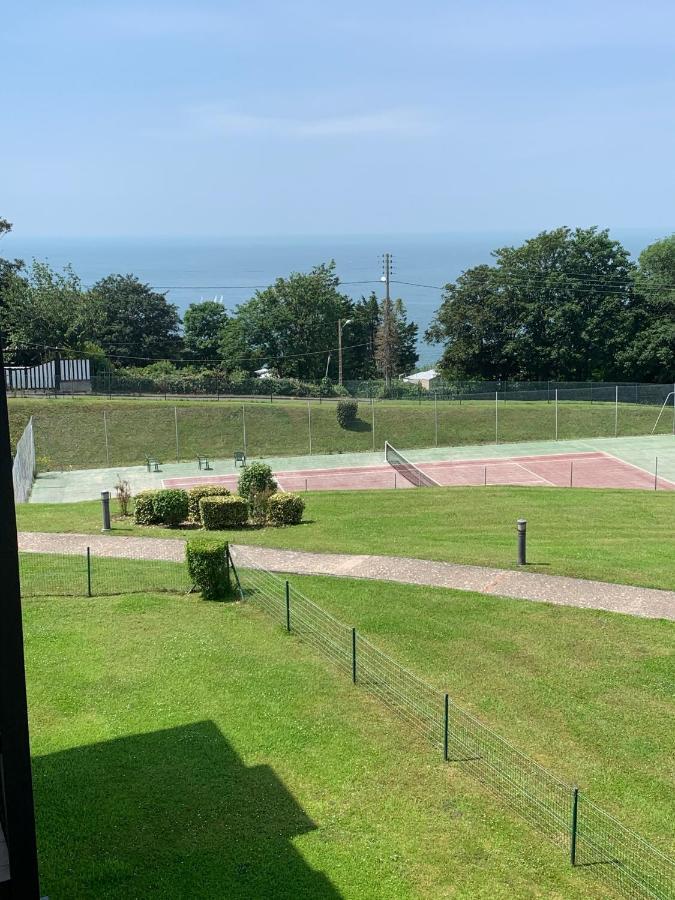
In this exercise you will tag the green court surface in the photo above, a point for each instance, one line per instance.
(87, 484)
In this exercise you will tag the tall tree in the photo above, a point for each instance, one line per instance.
(387, 341)
(134, 323)
(407, 339)
(651, 354)
(359, 339)
(203, 327)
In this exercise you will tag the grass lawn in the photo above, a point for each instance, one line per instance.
(609, 535)
(189, 749)
(70, 433)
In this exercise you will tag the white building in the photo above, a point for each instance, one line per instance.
(427, 380)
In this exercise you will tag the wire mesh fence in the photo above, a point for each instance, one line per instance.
(23, 466)
(89, 575)
(559, 811)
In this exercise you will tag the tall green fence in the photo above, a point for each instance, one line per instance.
(590, 837)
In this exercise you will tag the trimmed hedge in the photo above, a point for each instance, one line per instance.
(223, 512)
(207, 566)
(285, 509)
(170, 506)
(346, 412)
(144, 508)
(256, 479)
(195, 494)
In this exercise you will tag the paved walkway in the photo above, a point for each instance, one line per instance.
(646, 602)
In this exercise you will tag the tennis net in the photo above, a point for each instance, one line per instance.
(407, 469)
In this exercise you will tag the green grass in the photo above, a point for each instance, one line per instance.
(190, 749)
(609, 535)
(70, 432)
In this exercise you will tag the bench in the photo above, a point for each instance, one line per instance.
(152, 463)
(203, 463)
(239, 457)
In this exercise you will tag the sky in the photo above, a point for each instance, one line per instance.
(271, 118)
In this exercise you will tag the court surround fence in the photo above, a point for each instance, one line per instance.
(590, 837)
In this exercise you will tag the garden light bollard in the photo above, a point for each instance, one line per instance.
(522, 539)
(105, 509)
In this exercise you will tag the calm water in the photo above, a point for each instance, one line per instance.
(191, 270)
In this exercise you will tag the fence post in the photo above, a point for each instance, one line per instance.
(496, 417)
(436, 419)
(288, 607)
(105, 432)
(616, 411)
(372, 404)
(88, 572)
(243, 425)
(309, 424)
(656, 473)
(573, 830)
(354, 655)
(556, 414)
(445, 728)
(175, 418)
(571, 471)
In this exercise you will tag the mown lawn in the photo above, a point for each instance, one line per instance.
(71, 433)
(188, 749)
(609, 535)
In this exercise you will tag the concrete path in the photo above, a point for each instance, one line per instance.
(647, 602)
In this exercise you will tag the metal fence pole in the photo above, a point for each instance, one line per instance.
(105, 432)
(573, 829)
(571, 471)
(496, 417)
(656, 473)
(175, 418)
(88, 572)
(556, 414)
(243, 425)
(446, 717)
(288, 607)
(616, 411)
(354, 655)
(435, 419)
(372, 404)
(309, 424)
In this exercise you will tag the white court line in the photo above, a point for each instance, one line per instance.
(536, 475)
(652, 475)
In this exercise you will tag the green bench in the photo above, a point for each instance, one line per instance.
(239, 457)
(152, 463)
(203, 463)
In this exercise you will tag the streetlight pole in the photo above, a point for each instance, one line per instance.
(341, 325)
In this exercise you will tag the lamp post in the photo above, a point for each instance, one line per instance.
(341, 325)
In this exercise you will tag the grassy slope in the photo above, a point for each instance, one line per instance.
(610, 535)
(70, 432)
(220, 805)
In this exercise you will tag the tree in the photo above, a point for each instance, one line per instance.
(387, 341)
(407, 339)
(292, 324)
(651, 354)
(43, 312)
(133, 321)
(559, 306)
(203, 327)
(359, 339)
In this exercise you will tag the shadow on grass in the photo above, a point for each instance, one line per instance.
(174, 813)
(358, 425)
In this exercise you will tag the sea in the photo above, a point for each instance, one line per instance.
(231, 269)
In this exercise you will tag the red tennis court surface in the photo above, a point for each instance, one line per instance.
(599, 470)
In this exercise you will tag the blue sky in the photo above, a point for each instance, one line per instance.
(313, 117)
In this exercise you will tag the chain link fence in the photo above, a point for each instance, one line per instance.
(559, 811)
(24, 466)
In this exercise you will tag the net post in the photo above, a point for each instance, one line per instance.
(573, 827)
(354, 655)
(88, 571)
(288, 607)
(446, 717)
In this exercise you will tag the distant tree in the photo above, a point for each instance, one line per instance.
(293, 323)
(43, 312)
(387, 341)
(407, 339)
(236, 356)
(359, 339)
(559, 306)
(651, 354)
(203, 327)
(133, 321)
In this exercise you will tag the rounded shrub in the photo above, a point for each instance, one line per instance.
(170, 506)
(285, 509)
(207, 566)
(256, 479)
(346, 412)
(195, 494)
(223, 512)
(144, 508)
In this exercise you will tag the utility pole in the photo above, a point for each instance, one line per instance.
(385, 340)
(341, 325)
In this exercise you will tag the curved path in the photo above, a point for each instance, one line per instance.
(636, 601)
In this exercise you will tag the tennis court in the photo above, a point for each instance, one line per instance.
(582, 469)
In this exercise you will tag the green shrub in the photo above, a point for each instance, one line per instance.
(170, 506)
(207, 566)
(346, 412)
(144, 508)
(255, 479)
(195, 494)
(223, 512)
(285, 509)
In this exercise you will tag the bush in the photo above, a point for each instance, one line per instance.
(207, 566)
(123, 494)
(255, 479)
(346, 412)
(285, 509)
(223, 512)
(195, 494)
(144, 508)
(170, 506)
(258, 504)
